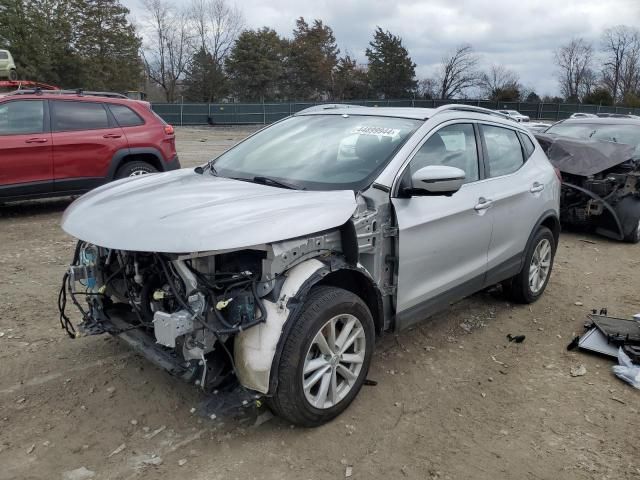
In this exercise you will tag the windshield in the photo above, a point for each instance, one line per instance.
(318, 152)
(628, 134)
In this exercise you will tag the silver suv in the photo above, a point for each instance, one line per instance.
(270, 271)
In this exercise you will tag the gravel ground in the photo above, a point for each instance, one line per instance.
(454, 399)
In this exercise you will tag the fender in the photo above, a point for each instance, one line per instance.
(549, 214)
(257, 351)
(119, 156)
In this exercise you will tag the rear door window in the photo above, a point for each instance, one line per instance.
(504, 150)
(125, 116)
(69, 116)
(22, 117)
(4, 56)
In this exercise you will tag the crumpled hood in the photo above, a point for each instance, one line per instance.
(182, 211)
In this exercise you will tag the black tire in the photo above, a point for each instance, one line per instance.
(518, 288)
(13, 75)
(322, 304)
(628, 211)
(138, 167)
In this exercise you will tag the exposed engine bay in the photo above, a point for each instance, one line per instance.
(191, 305)
(600, 184)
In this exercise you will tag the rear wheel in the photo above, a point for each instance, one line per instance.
(13, 75)
(325, 358)
(133, 169)
(530, 283)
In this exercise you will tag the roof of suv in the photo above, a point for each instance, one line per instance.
(463, 111)
(400, 112)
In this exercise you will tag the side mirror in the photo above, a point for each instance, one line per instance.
(437, 180)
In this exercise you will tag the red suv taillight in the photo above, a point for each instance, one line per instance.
(168, 129)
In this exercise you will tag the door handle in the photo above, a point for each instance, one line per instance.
(36, 140)
(483, 204)
(111, 135)
(536, 187)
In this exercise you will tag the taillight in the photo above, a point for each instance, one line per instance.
(168, 129)
(558, 174)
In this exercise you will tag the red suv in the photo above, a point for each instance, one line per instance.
(68, 143)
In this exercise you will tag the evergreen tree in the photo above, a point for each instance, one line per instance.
(312, 59)
(350, 80)
(109, 47)
(391, 71)
(72, 43)
(204, 81)
(255, 65)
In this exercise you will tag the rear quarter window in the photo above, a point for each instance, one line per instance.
(4, 56)
(125, 116)
(528, 145)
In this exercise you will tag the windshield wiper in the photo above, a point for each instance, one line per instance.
(275, 183)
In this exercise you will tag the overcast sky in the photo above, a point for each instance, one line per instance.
(520, 34)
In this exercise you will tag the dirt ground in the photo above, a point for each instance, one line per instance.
(454, 399)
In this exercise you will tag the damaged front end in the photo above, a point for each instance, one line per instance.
(600, 185)
(179, 311)
(216, 318)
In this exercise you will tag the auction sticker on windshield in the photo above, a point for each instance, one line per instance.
(377, 131)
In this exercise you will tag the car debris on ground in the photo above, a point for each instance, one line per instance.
(613, 337)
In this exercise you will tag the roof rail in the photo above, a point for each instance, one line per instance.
(469, 108)
(329, 106)
(79, 92)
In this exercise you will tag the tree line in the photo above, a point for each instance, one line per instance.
(202, 52)
(72, 43)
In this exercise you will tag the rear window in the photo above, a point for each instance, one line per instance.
(125, 116)
(69, 116)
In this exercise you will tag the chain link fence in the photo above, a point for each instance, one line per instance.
(265, 113)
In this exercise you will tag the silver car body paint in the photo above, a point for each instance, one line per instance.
(182, 211)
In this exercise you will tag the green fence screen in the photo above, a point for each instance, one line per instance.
(265, 113)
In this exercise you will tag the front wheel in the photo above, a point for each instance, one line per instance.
(530, 283)
(325, 358)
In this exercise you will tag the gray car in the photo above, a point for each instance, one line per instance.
(273, 268)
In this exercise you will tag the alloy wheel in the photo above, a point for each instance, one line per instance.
(333, 361)
(540, 266)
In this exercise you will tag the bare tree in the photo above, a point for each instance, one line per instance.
(217, 25)
(620, 45)
(427, 88)
(630, 75)
(498, 79)
(458, 72)
(574, 63)
(167, 49)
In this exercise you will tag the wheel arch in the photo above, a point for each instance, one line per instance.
(258, 351)
(148, 154)
(550, 220)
